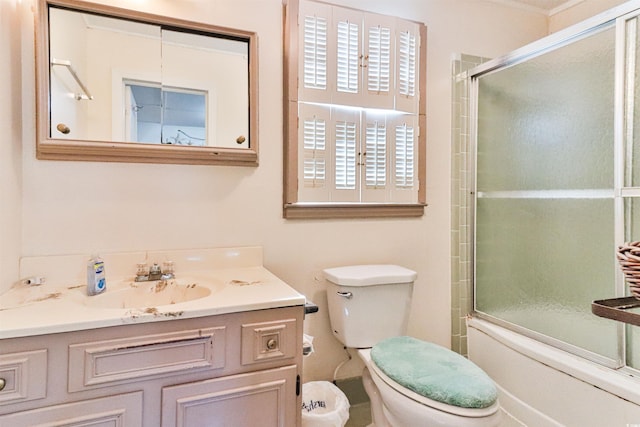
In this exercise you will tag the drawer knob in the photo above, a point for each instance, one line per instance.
(272, 343)
(3, 383)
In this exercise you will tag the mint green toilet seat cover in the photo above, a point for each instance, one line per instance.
(434, 372)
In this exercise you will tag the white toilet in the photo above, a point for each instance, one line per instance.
(411, 383)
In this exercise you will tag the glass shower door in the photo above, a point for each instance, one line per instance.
(631, 160)
(545, 207)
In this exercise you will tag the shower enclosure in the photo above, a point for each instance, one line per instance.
(557, 184)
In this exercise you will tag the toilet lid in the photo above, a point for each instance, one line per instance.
(434, 372)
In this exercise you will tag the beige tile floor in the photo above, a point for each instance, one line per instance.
(359, 415)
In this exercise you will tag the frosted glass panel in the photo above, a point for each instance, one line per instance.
(548, 123)
(541, 262)
(632, 233)
(545, 207)
(632, 94)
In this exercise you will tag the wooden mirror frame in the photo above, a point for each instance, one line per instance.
(48, 148)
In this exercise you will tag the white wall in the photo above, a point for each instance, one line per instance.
(579, 12)
(78, 207)
(11, 106)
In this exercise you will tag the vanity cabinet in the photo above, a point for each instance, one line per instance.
(238, 369)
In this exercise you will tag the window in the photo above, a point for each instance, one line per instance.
(354, 146)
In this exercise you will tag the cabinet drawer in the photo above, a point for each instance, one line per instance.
(101, 363)
(123, 410)
(24, 375)
(268, 341)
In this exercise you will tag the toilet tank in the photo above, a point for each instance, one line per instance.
(368, 303)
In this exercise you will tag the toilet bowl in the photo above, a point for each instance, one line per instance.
(368, 308)
(396, 406)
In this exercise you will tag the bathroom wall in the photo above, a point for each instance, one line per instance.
(79, 207)
(11, 106)
(579, 12)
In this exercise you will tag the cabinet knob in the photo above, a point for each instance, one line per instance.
(3, 383)
(272, 344)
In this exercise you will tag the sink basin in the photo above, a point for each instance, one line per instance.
(146, 295)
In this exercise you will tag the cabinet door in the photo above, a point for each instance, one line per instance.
(263, 398)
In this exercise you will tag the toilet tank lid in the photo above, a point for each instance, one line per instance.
(369, 275)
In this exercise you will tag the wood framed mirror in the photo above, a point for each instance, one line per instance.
(118, 85)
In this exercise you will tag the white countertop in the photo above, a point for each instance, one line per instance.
(27, 310)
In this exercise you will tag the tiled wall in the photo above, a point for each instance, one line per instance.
(461, 169)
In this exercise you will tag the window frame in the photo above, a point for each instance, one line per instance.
(292, 207)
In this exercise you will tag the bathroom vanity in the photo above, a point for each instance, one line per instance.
(231, 356)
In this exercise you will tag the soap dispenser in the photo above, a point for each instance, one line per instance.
(96, 281)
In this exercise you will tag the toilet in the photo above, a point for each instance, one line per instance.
(409, 382)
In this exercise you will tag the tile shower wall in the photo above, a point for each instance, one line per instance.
(461, 237)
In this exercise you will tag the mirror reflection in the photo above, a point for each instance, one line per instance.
(114, 79)
(157, 114)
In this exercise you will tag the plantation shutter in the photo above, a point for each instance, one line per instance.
(315, 52)
(314, 46)
(315, 148)
(348, 52)
(379, 67)
(346, 56)
(314, 157)
(407, 44)
(407, 64)
(346, 137)
(354, 69)
(376, 155)
(405, 143)
(379, 54)
(345, 163)
(375, 159)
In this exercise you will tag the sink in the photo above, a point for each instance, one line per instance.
(152, 294)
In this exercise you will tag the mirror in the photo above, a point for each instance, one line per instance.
(126, 86)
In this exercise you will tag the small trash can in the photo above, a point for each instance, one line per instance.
(323, 405)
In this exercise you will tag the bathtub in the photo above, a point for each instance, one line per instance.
(542, 386)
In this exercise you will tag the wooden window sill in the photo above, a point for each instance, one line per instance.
(352, 210)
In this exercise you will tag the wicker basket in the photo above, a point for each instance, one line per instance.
(629, 259)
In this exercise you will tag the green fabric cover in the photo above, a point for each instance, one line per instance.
(434, 372)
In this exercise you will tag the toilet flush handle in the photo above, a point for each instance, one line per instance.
(347, 295)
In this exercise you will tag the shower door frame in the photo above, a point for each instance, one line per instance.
(616, 17)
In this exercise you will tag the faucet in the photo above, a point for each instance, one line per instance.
(155, 272)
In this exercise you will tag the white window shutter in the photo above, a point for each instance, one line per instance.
(375, 159)
(354, 67)
(314, 39)
(345, 155)
(379, 67)
(314, 158)
(408, 57)
(348, 66)
(405, 157)
(315, 148)
(375, 156)
(407, 64)
(315, 52)
(347, 33)
(346, 136)
(378, 62)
